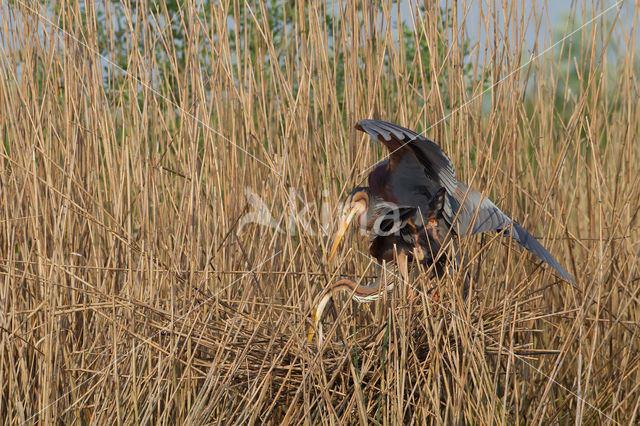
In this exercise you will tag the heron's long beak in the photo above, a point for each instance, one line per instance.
(344, 224)
(312, 329)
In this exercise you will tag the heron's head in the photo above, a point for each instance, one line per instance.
(356, 206)
(359, 202)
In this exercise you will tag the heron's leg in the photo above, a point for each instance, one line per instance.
(460, 261)
(403, 267)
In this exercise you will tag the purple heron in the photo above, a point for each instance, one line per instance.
(430, 207)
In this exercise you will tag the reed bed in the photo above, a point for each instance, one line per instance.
(169, 178)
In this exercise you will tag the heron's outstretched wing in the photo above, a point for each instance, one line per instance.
(529, 242)
(418, 167)
(407, 148)
(490, 218)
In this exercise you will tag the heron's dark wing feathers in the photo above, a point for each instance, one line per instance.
(529, 242)
(401, 142)
(490, 218)
(477, 213)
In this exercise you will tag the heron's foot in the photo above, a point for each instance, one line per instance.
(413, 295)
(433, 294)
